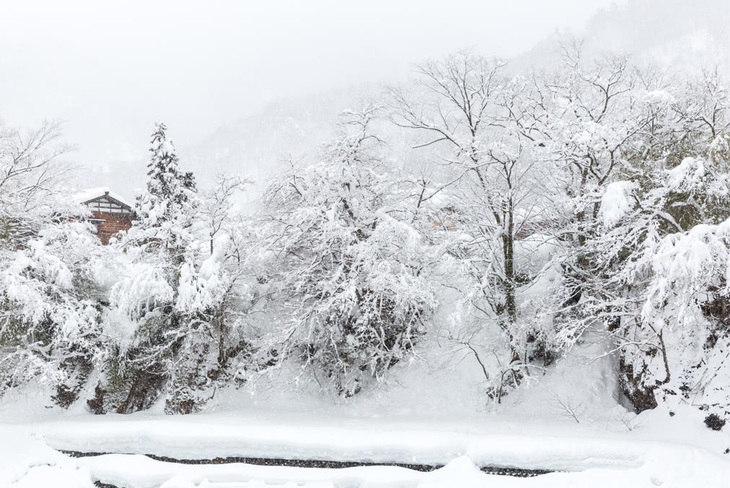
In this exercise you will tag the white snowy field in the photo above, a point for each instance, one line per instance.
(660, 450)
(566, 420)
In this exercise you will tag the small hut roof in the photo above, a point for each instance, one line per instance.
(89, 194)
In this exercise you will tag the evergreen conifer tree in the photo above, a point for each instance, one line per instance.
(165, 209)
(162, 245)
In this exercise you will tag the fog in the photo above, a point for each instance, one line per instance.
(111, 69)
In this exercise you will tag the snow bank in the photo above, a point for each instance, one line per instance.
(27, 462)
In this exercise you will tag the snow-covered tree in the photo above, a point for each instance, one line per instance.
(183, 295)
(352, 277)
(670, 182)
(661, 257)
(156, 293)
(485, 129)
(50, 316)
(166, 210)
(219, 203)
(31, 169)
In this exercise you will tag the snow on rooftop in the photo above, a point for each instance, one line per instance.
(84, 196)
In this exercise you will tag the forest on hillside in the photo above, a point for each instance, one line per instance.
(507, 214)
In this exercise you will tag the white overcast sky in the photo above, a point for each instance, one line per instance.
(109, 69)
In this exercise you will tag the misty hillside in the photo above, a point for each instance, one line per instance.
(672, 33)
(257, 145)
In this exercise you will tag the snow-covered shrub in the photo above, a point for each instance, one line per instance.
(659, 261)
(51, 314)
(714, 422)
(684, 315)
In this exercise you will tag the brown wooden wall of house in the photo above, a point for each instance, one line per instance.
(109, 224)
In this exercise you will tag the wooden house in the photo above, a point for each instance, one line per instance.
(110, 213)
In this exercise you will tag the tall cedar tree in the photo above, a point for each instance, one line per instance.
(164, 236)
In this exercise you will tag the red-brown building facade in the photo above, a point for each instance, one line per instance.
(110, 213)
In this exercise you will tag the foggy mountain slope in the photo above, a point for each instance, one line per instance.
(673, 33)
(256, 145)
(679, 30)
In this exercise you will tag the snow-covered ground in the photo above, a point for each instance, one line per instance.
(586, 455)
(568, 422)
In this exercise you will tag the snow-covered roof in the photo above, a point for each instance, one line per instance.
(89, 194)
